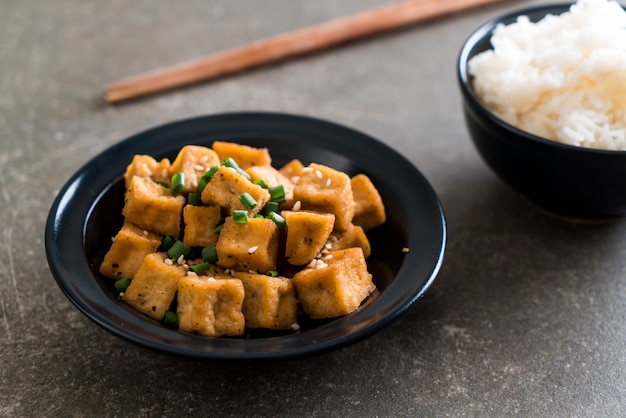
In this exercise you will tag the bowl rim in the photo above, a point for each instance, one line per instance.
(62, 232)
(484, 31)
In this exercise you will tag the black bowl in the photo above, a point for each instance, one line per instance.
(87, 213)
(574, 183)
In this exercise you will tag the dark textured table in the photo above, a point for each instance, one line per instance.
(526, 318)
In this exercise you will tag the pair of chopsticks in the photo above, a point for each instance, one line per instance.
(287, 45)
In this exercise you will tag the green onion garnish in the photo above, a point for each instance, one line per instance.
(262, 183)
(218, 229)
(194, 199)
(277, 193)
(209, 254)
(272, 273)
(240, 216)
(122, 284)
(170, 319)
(229, 162)
(247, 200)
(167, 243)
(178, 182)
(178, 249)
(162, 183)
(204, 180)
(272, 207)
(278, 220)
(199, 268)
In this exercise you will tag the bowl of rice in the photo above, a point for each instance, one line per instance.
(544, 101)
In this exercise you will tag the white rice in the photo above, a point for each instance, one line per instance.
(562, 78)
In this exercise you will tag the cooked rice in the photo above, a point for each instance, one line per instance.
(562, 78)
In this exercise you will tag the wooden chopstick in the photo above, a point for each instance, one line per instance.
(290, 44)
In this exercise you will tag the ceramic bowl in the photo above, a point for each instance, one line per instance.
(87, 213)
(573, 183)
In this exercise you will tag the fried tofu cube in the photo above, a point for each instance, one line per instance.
(324, 189)
(130, 246)
(152, 207)
(210, 306)
(146, 166)
(245, 156)
(273, 178)
(226, 186)
(194, 161)
(153, 288)
(292, 170)
(307, 233)
(270, 302)
(200, 223)
(249, 246)
(353, 236)
(369, 211)
(336, 289)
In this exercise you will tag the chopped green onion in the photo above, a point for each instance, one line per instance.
(167, 243)
(278, 220)
(272, 273)
(229, 162)
(209, 254)
(247, 200)
(240, 216)
(178, 182)
(170, 319)
(271, 207)
(194, 199)
(259, 216)
(199, 268)
(277, 193)
(122, 284)
(262, 183)
(218, 229)
(178, 249)
(162, 183)
(204, 180)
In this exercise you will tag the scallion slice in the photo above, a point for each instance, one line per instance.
(278, 220)
(162, 183)
(167, 243)
(209, 254)
(272, 273)
(178, 249)
(178, 183)
(262, 183)
(229, 162)
(240, 216)
(170, 319)
(277, 193)
(272, 207)
(218, 229)
(194, 199)
(122, 284)
(199, 268)
(204, 180)
(247, 200)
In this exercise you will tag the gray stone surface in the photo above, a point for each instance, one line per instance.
(527, 317)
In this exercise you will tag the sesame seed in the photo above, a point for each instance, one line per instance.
(405, 250)
(295, 327)
(295, 179)
(307, 169)
(168, 262)
(181, 259)
(199, 167)
(318, 174)
(252, 272)
(312, 263)
(321, 265)
(328, 181)
(204, 159)
(211, 279)
(296, 206)
(145, 232)
(191, 274)
(253, 249)
(328, 257)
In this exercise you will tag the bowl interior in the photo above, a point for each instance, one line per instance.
(87, 214)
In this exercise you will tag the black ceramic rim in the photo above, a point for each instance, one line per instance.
(401, 184)
(469, 50)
